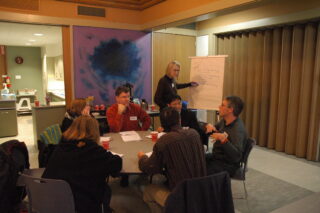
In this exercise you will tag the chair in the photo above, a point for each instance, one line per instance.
(47, 195)
(240, 174)
(205, 194)
(51, 135)
(49, 140)
(13, 160)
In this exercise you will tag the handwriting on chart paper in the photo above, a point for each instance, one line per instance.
(208, 72)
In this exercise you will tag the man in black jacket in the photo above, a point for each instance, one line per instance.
(230, 136)
(189, 119)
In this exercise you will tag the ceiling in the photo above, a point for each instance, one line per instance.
(13, 34)
(123, 4)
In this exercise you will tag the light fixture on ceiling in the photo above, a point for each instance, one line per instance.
(28, 44)
(38, 34)
(32, 40)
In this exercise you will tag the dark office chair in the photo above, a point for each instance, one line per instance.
(210, 194)
(47, 195)
(241, 172)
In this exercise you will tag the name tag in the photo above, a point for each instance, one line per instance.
(185, 127)
(172, 85)
(133, 118)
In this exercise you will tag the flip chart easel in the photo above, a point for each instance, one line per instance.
(208, 72)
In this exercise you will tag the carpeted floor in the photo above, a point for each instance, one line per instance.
(266, 193)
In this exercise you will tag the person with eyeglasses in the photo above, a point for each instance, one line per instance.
(230, 136)
(126, 116)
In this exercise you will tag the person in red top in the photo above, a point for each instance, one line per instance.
(126, 116)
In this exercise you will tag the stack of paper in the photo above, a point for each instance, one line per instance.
(130, 136)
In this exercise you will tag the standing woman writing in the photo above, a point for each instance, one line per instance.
(167, 85)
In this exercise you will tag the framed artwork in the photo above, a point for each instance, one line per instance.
(107, 58)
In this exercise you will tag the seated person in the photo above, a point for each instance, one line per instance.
(230, 137)
(84, 164)
(179, 154)
(189, 119)
(126, 116)
(77, 108)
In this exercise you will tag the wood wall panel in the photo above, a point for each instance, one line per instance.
(294, 88)
(314, 130)
(3, 63)
(282, 85)
(66, 45)
(284, 78)
(274, 87)
(306, 89)
(168, 47)
(265, 83)
(257, 85)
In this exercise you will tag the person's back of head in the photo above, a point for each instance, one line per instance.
(83, 128)
(76, 106)
(236, 103)
(172, 98)
(169, 118)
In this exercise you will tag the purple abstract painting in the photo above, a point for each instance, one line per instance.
(107, 58)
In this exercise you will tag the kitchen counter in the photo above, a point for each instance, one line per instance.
(8, 115)
(8, 97)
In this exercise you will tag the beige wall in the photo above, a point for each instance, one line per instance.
(262, 14)
(262, 10)
(64, 13)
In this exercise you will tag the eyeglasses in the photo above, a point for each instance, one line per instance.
(124, 96)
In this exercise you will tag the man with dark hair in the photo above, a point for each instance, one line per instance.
(189, 119)
(230, 136)
(179, 154)
(126, 116)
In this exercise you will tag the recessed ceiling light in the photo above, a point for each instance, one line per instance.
(28, 44)
(32, 40)
(38, 34)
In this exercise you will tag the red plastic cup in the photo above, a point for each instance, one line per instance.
(102, 107)
(106, 145)
(96, 107)
(36, 103)
(153, 108)
(154, 136)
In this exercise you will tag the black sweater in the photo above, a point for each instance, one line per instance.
(85, 169)
(166, 88)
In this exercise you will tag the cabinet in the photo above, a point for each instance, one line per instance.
(8, 116)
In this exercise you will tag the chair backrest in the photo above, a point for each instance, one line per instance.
(205, 194)
(247, 149)
(241, 172)
(48, 195)
(51, 135)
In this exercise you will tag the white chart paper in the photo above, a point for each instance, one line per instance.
(208, 72)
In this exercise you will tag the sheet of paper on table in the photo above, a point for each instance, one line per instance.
(148, 154)
(114, 153)
(159, 135)
(128, 136)
(105, 138)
